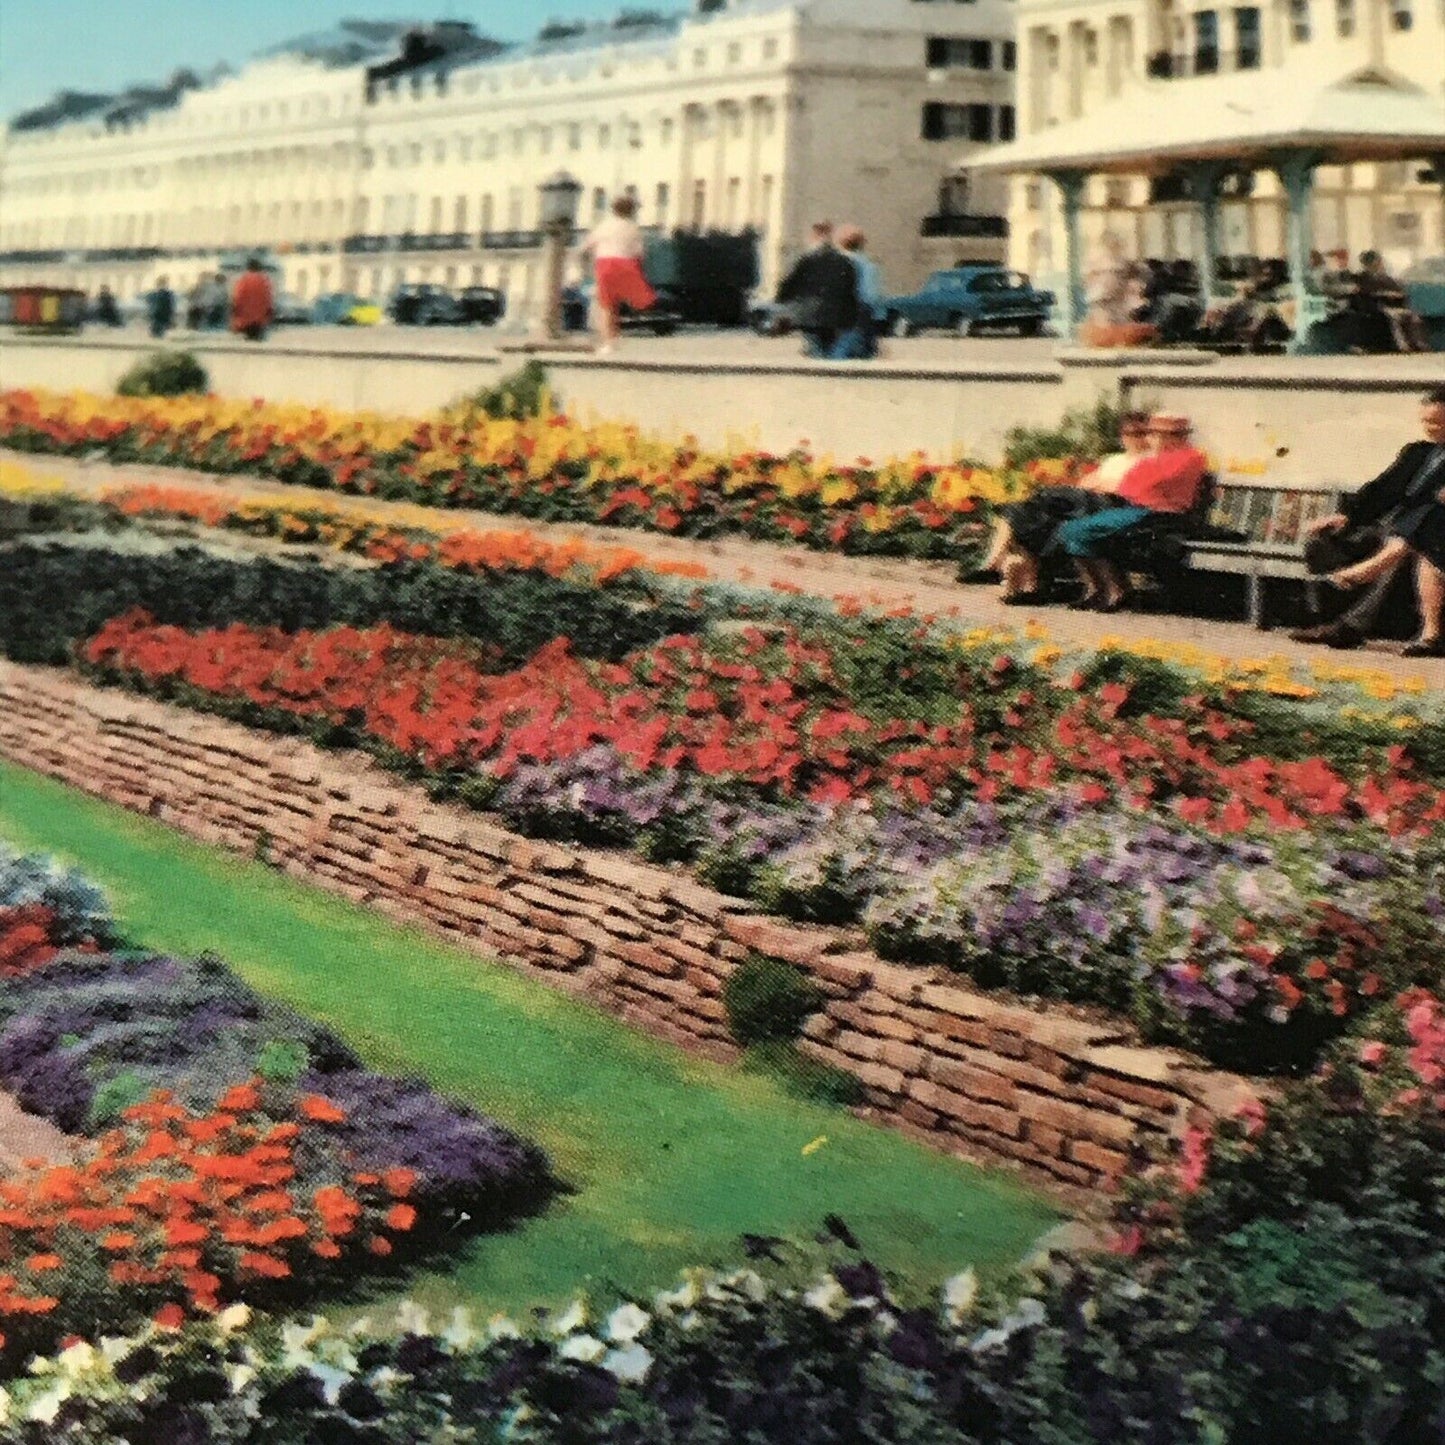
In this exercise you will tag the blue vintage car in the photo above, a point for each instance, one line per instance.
(967, 299)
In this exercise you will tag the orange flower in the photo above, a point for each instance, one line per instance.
(321, 1111)
(43, 1263)
(378, 1245)
(400, 1217)
(170, 1317)
(326, 1249)
(399, 1182)
(118, 1241)
(266, 1265)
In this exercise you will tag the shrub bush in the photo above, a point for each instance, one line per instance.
(164, 373)
(1088, 433)
(768, 1000)
(524, 393)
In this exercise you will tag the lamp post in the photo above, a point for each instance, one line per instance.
(559, 197)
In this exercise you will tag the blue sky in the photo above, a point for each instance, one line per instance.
(47, 45)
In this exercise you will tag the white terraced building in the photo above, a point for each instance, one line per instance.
(377, 153)
(1098, 81)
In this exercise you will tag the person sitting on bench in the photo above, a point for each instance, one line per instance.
(1026, 528)
(1165, 482)
(1391, 522)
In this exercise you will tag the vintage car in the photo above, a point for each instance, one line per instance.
(968, 299)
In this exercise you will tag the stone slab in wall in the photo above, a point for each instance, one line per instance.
(1067, 1099)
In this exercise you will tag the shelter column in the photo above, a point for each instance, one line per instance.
(1070, 186)
(1204, 181)
(1296, 172)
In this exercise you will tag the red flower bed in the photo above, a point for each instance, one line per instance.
(173, 1212)
(774, 714)
(30, 935)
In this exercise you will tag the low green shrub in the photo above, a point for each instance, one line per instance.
(522, 394)
(1089, 432)
(165, 373)
(768, 1000)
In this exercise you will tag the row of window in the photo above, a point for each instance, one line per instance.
(974, 122)
(517, 141)
(397, 214)
(954, 53)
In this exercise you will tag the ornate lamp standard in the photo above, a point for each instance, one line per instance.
(559, 197)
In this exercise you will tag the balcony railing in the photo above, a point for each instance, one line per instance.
(408, 241)
(1163, 65)
(974, 226)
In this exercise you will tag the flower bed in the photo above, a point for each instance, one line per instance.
(744, 756)
(235, 1143)
(44, 908)
(549, 467)
(1284, 1284)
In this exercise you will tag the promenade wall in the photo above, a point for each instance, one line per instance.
(1066, 1098)
(1317, 421)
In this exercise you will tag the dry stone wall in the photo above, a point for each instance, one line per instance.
(1067, 1099)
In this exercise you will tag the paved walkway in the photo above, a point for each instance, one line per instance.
(25, 1137)
(927, 587)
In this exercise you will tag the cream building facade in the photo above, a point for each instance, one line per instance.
(1079, 57)
(361, 159)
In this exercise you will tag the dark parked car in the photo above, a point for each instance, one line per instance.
(484, 305)
(291, 310)
(971, 298)
(662, 317)
(420, 303)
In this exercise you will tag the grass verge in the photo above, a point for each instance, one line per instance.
(671, 1158)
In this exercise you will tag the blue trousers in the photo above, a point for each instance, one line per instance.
(1083, 536)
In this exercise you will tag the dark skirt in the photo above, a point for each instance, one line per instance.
(1037, 518)
(1423, 527)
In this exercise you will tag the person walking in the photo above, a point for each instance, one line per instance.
(860, 341)
(822, 289)
(106, 311)
(615, 245)
(161, 308)
(252, 303)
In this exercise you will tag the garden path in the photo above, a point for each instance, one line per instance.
(926, 587)
(26, 1136)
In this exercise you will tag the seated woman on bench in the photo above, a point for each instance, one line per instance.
(1166, 481)
(1026, 528)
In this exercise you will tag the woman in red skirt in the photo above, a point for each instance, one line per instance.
(615, 246)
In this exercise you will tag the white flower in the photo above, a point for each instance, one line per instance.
(630, 1365)
(626, 1322)
(683, 1297)
(572, 1318)
(4, 1405)
(77, 1360)
(44, 1408)
(828, 1297)
(240, 1376)
(412, 1319)
(461, 1334)
(233, 1318)
(586, 1349)
(499, 1327)
(749, 1284)
(386, 1379)
(959, 1294)
(689, 1321)
(332, 1380)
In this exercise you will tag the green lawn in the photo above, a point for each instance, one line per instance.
(671, 1158)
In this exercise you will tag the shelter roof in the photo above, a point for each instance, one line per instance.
(1248, 116)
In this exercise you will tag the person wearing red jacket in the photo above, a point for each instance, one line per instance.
(252, 303)
(1167, 480)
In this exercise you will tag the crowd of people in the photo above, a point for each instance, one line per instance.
(1387, 536)
(248, 306)
(1138, 302)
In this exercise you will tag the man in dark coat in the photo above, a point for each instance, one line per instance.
(1397, 519)
(822, 289)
